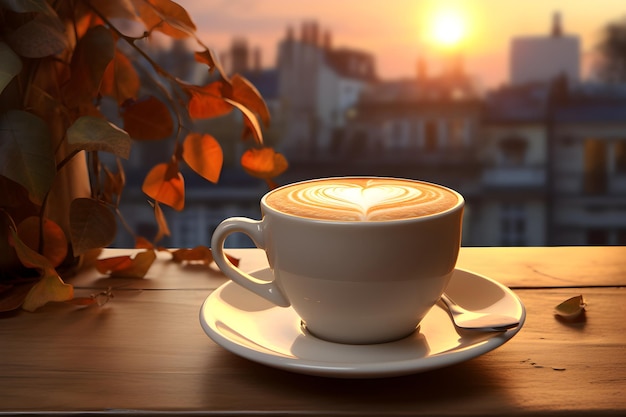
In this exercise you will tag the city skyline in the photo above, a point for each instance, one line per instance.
(399, 33)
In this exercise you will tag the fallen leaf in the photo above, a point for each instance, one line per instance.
(50, 288)
(199, 254)
(571, 309)
(127, 266)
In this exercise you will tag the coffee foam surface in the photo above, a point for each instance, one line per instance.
(362, 199)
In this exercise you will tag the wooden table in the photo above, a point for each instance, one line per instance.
(145, 352)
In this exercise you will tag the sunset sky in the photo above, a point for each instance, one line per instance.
(397, 32)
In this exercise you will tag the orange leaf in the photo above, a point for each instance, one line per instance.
(125, 266)
(164, 230)
(165, 183)
(207, 101)
(246, 94)
(50, 288)
(143, 243)
(250, 121)
(55, 241)
(165, 16)
(204, 155)
(263, 163)
(120, 80)
(201, 254)
(114, 182)
(148, 119)
(113, 264)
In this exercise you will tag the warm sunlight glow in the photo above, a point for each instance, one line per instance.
(448, 28)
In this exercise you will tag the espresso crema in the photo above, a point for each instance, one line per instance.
(362, 199)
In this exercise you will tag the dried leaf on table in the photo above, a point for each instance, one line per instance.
(127, 266)
(199, 254)
(50, 287)
(571, 309)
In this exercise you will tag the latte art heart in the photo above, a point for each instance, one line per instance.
(362, 199)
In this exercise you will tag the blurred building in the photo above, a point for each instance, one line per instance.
(317, 85)
(541, 161)
(541, 58)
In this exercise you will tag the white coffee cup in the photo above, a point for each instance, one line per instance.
(360, 259)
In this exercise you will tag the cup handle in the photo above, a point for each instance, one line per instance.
(253, 229)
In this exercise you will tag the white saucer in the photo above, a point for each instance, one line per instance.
(253, 328)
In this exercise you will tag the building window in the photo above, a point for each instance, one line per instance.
(513, 225)
(595, 167)
(456, 133)
(513, 150)
(430, 136)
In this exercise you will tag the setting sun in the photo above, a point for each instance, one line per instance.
(448, 28)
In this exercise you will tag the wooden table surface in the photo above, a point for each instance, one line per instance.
(145, 352)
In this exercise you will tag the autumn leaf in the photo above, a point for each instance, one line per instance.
(163, 229)
(114, 182)
(148, 119)
(40, 37)
(207, 57)
(91, 57)
(143, 243)
(55, 241)
(120, 80)
(250, 121)
(26, 154)
(165, 16)
(199, 254)
(246, 94)
(92, 225)
(123, 9)
(10, 65)
(204, 155)
(207, 101)
(165, 184)
(127, 266)
(91, 133)
(571, 309)
(50, 287)
(263, 163)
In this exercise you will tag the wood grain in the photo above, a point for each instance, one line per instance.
(145, 353)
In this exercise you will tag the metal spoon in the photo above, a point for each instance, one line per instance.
(471, 320)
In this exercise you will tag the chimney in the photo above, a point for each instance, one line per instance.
(314, 33)
(557, 29)
(239, 55)
(422, 70)
(304, 36)
(256, 57)
(328, 41)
